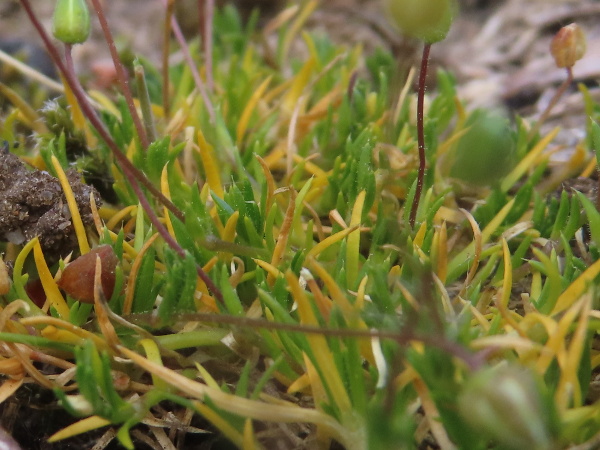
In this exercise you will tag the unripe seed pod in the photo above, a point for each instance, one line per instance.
(484, 153)
(71, 21)
(428, 20)
(568, 45)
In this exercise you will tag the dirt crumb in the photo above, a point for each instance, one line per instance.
(32, 203)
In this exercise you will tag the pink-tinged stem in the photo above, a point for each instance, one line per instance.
(122, 77)
(557, 95)
(598, 191)
(89, 112)
(165, 57)
(128, 168)
(473, 360)
(209, 13)
(190, 62)
(420, 134)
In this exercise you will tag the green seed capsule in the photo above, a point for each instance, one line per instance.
(71, 21)
(484, 153)
(428, 20)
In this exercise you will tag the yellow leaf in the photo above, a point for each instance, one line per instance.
(83, 426)
(84, 246)
(569, 390)
(319, 346)
(153, 354)
(507, 281)
(50, 287)
(248, 442)
(290, 100)
(353, 241)
(329, 241)
(577, 288)
(249, 109)
(211, 168)
(528, 161)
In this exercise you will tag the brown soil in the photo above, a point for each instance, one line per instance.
(32, 203)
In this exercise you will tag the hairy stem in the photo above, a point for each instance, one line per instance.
(122, 77)
(162, 230)
(420, 134)
(126, 166)
(473, 360)
(193, 67)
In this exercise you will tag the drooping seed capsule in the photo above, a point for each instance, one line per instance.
(71, 21)
(77, 279)
(428, 20)
(568, 45)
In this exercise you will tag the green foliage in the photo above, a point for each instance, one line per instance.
(96, 386)
(297, 274)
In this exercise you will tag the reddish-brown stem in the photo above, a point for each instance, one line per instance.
(171, 242)
(89, 112)
(201, 23)
(420, 134)
(555, 98)
(352, 85)
(209, 13)
(598, 190)
(69, 58)
(165, 57)
(122, 77)
(473, 360)
(128, 168)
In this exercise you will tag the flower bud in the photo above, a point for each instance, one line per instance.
(428, 20)
(568, 45)
(507, 405)
(71, 21)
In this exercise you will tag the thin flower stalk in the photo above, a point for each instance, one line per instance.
(190, 62)
(165, 58)
(420, 134)
(128, 169)
(121, 75)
